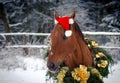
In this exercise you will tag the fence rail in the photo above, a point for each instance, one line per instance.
(46, 46)
(48, 34)
(35, 34)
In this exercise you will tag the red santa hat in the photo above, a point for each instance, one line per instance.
(65, 21)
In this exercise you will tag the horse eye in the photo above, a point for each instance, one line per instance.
(64, 37)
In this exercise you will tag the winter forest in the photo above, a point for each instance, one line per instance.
(28, 64)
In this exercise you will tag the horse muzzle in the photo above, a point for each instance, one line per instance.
(53, 67)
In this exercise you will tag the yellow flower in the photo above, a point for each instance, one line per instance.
(103, 64)
(99, 55)
(84, 81)
(94, 43)
(76, 75)
(81, 74)
(83, 68)
(95, 71)
(61, 74)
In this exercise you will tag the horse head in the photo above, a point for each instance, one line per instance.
(67, 44)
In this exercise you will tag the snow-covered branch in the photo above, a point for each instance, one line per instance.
(14, 25)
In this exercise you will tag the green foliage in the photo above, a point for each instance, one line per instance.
(103, 71)
(68, 78)
(107, 55)
(51, 75)
(94, 79)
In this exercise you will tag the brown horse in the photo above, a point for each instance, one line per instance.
(72, 50)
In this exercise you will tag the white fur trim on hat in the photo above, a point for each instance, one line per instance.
(68, 33)
(71, 21)
(56, 21)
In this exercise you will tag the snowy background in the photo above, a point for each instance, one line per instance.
(37, 16)
(31, 69)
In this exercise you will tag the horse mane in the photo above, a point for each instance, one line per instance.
(77, 28)
(84, 50)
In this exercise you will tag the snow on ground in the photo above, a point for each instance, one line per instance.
(14, 58)
(16, 68)
(21, 76)
(114, 76)
(30, 76)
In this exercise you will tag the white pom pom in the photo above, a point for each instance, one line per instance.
(68, 33)
(55, 21)
(71, 21)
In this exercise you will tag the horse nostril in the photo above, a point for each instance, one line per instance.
(51, 65)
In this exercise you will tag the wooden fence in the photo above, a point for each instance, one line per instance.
(48, 34)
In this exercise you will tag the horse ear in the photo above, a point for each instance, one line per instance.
(55, 15)
(73, 15)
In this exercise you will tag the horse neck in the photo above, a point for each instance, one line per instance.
(82, 48)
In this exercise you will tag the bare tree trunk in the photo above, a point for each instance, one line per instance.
(5, 21)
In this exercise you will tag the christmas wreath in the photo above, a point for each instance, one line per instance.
(86, 74)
